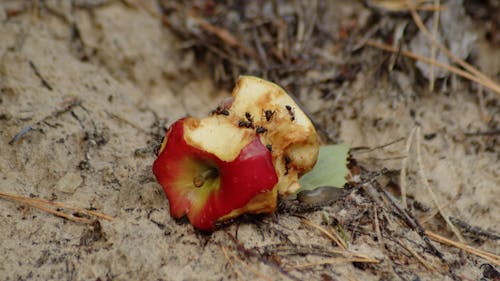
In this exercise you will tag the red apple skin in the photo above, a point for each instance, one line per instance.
(251, 173)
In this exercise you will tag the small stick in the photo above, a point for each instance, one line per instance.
(330, 261)
(485, 255)
(475, 230)
(38, 203)
(51, 211)
(39, 75)
(67, 106)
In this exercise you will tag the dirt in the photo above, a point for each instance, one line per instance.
(92, 85)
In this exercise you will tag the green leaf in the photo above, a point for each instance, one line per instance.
(330, 170)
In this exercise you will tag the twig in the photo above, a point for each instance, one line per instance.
(67, 106)
(301, 250)
(475, 230)
(485, 133)
(485, 255)
(427, 186)
(42, 205)
(330, 261)
(488, 84)
(404, 166)
(39, 75)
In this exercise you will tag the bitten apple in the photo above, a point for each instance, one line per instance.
(252, 147)
(212, 170)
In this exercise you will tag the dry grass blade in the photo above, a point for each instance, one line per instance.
(495, 259)
(331, 261)
(486, 81)
(418, 257)
(424, 180)
(342, 244)
(344, 252)
(238, 272)
(43, 205)
(334, 238)
(488, 84)
(398, 5)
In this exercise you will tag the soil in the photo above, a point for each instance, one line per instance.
(88, 88)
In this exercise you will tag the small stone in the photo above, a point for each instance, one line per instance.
(69, 182)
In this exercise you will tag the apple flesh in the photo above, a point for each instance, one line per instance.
(280, 124)
(211, 170)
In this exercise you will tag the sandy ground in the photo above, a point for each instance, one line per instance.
(124, 82)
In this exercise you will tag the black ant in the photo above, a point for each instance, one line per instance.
(260, 130)
(290, 112)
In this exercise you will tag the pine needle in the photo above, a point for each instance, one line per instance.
(419, 258)
(45, 205)
(486, 83)
(331, 261)
(495, 259)
(341, 251)
(334, 238)
(485, 80)
(239, 275)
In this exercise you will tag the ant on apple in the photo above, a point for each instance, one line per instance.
(290, 112)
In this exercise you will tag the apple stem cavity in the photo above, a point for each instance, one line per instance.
(200, 179)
